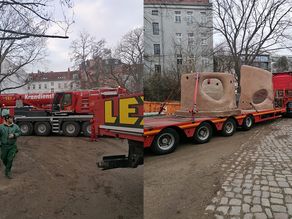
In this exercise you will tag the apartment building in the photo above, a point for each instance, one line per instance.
(43, 82)
(178, 36)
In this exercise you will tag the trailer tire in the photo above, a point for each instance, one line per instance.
(203, 133)
(71, 129)
(288, 110)
(26, 128)
(229, 127)
(165, 142)
(247, 123)
(86, 129)
(42, 128)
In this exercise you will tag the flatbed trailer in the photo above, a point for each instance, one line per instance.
(163, 133)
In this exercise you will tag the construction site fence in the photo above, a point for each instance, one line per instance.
(169, 108)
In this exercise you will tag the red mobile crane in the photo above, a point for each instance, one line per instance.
(66, 113)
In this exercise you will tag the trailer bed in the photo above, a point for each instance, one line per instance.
(187, 125)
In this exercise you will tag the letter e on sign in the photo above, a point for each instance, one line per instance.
(127, 107)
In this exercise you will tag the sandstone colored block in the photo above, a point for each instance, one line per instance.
(215, 93)
(256, 89)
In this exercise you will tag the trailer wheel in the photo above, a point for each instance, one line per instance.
(71, 129)
(229, 127)
(203, 133)
(42, 128)
(86, 129)
(288, 110)
(247, 123)
(165, 142)
(26, 128)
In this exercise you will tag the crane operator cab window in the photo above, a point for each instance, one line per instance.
(66, 101)
(56, 102)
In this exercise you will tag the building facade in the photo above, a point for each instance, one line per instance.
(178, 36)
(44, 82)
(12, 80)
(263, 61)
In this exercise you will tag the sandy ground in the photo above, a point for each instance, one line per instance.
(57, 177)
(182, 184)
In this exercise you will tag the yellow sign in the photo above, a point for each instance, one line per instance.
(128, 112)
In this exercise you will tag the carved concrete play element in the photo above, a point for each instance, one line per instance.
(214, 95)
(256, 89)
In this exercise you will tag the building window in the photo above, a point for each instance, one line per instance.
(59, 85)
(52, 83)
(65, 85)
(179, 59)
(40, 86)
(190, 38)
(204, 42)
(204, 39)
(157, 68)
(178, 38)
(33, 86)
(177, 16)
(46, 86)
(156, 49)
(155, 27)
(189, 17)
(205, 62)
(154, 12)
(52, 90)
(203, 18)
(75, 76)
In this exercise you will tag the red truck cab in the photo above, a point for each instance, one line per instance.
(282, 83)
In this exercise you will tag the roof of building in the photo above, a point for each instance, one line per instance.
(179, 2)
(53, 76)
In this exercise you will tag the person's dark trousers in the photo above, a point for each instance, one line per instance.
(7, 156)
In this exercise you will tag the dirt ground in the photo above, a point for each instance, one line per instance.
(182, 184)
(57, 177)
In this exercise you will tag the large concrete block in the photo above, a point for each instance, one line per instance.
(256, 89)
(215, 94)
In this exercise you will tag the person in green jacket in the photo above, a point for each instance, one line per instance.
(9, 132)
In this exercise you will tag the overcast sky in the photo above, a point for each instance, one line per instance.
(104, 19)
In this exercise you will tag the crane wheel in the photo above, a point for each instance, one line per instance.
(42, 128)
(71, 129)
(26, 128)
(86, 129)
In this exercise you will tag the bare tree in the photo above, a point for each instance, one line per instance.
(130, 51)
(87, 55)
(16, 54)
(35, 14)
(223, 61)
(252, 27)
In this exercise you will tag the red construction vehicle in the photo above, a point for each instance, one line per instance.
(120, 117)
(67, 113)
(282, 83)
(163, 133)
